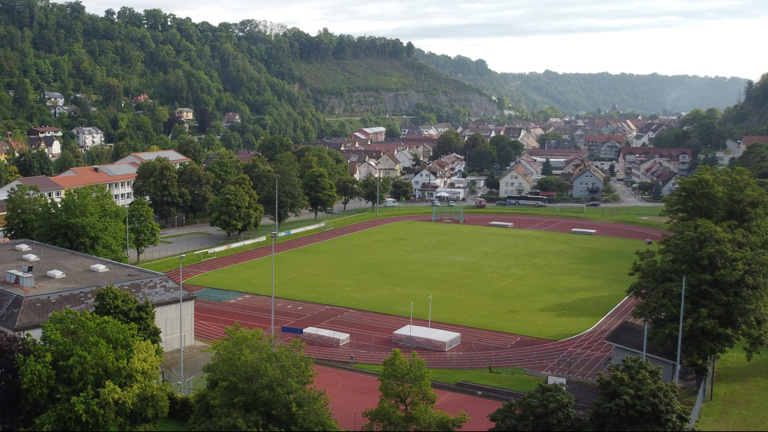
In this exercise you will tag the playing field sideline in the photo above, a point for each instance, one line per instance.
(535, 283)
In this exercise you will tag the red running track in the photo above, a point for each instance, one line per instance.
(581, 356)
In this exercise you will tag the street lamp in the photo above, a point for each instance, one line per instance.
(430, 311)
(181, 322)
(127, 242)
(274, 237)
(378, 181)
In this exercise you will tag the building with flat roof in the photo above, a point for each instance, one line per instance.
(41, 279)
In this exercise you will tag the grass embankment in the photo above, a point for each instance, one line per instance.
(740, 401)
(534, 283)
(515, 379)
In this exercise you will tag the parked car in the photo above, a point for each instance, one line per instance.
(435, 203)
(593, 204)
(331, 211)
(451, 204)
(501, 203)
(480, 203)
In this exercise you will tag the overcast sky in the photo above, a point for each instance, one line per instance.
(670, 37)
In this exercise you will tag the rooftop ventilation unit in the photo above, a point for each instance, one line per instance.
(26, 268)
(99, 268)
(56, 274)
(20, 278)
(30, 257)
(23, 247)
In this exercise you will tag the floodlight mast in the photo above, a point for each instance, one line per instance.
(274, 238)
(181, 323)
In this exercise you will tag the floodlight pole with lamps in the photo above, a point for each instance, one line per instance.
(127, 242)
(680, 335)
(410, 329)
(181, 323)
(378, 182)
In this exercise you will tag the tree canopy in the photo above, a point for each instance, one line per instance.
(126, 309)
(90, 372)
(406, 401)
(549, 407)
(142, 228)
(719, 244)
(252, 386)
(632, 396)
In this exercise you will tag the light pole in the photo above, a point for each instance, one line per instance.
(680, 334)
(378, 181)
(181, 323)
(274, 237)
(430, 311)
(410, 329)
(127, 242)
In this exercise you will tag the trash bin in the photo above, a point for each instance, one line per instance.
(352, 357)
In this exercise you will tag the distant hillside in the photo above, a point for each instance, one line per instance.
(573, 93)
(387, 86)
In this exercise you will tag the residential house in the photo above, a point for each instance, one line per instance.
(245, 156)
(10, 144)
(747, 141)
(517, 180)
(88, 136)
(58, 278)
(185, 114)
(44, 131)
(557, 157)
(405, 157)
(370, 166)
(229, 119)
(587, 182)
(47, 187)
(50, 144)
(426, 182)
(389, 165)
(632, 158)
(604, 146)
(117, 178)
(174, 157)
(559, 144)
(56, 111)
(646, 134)
(53, 99)
(375, 134)
(142, 98)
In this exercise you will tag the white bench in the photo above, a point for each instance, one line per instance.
(501, 224)
(583, 231)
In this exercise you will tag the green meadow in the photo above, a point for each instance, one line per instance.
(535, 283)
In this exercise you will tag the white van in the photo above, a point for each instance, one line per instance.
(390, 202)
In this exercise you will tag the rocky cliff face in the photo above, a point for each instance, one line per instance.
(363, 103)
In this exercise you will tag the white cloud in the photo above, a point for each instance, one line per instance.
(670, 37)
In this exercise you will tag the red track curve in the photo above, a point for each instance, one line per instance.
(580, 356)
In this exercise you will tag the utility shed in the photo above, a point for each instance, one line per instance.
(325, 336)
(426, 337)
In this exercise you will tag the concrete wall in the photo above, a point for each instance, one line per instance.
(167, 319)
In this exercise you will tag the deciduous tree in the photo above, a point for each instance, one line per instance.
(371, 185)
(255, 383)
(12, 410)
(142, 229)
(319, 190)
(90, 372)
(718, 221)
(158, 182)
(406, 401)
(347, 188)
(125, 308)
(549, 407)
(632, 396)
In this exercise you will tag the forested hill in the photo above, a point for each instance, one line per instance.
(281, 80)
(573, 93)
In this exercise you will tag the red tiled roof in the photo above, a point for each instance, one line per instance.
(83, 176)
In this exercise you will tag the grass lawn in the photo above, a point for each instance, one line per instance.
(739, 401)
(515, 379)
(535, 283)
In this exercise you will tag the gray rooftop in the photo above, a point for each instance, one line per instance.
(26, 307)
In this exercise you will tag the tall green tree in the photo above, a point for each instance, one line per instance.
(347, 188)
(142, 229)
(406, 401)
(90, 372)
(255, 383)
(448, 142)
(126, 309)
(718, 243)
(12, 410)
(87, 220)
(224, 169)
(549, 407)
(231, 212)
(401, 189)
(291, 198)
(157, 181)
(319, 190)
(25, 207)
(632, 396)
(374, 189)
(272, 146)
(198, 185)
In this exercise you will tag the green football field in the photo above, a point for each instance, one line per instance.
(535, 283)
